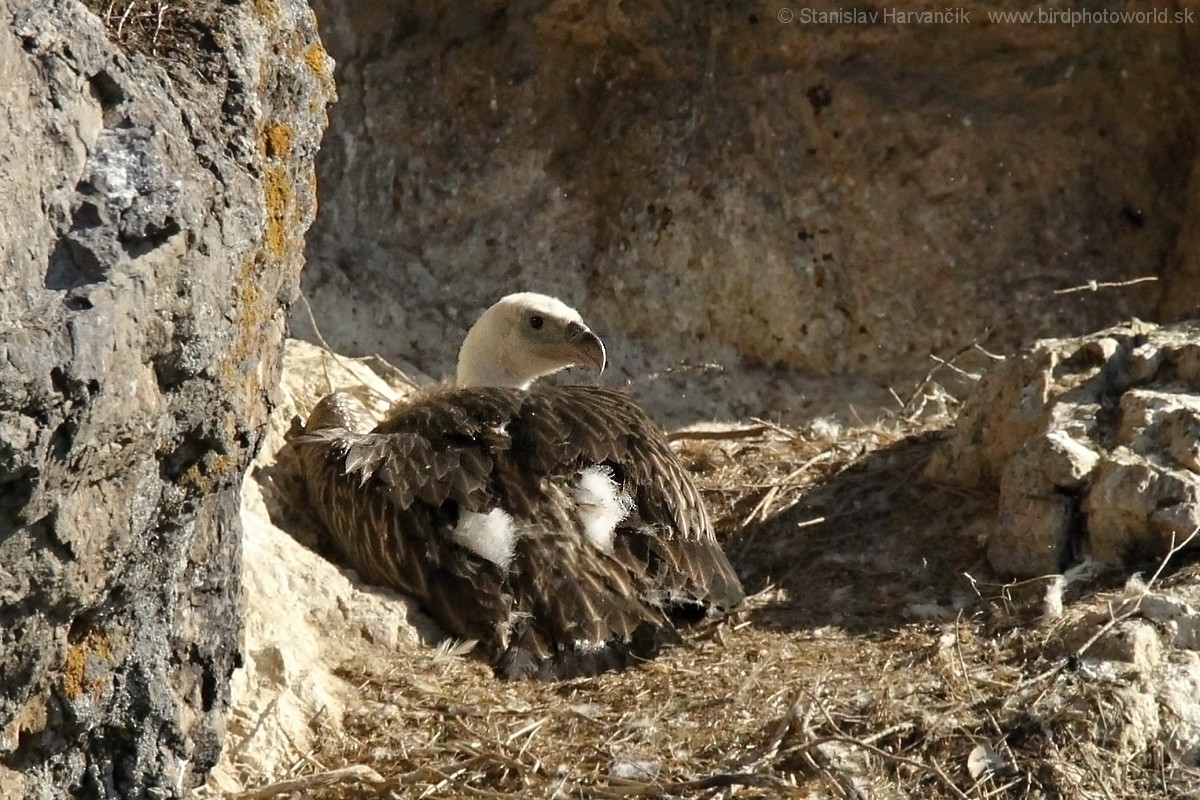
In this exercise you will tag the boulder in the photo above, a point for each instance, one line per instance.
(1093, 444)
(308, 623)
(155, 199)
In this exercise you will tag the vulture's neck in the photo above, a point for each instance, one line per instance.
(480, 363)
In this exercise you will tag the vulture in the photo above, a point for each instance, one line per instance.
(552, 524)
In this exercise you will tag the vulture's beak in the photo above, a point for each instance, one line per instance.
(587, 346)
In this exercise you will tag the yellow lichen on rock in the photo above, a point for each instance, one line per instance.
(277, 140)
(76, 676)
(279, 195)
(317, 59)
(266, 9)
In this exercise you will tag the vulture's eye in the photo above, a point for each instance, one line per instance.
(536, 322)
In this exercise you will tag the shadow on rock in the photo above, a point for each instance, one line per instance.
(285, 497)
(870, 548)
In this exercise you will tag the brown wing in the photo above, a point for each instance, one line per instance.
(580, 611)
(542, 438)
(350, 480)
(670, 532)
(562, 607)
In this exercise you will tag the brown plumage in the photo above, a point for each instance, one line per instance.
(552, 524)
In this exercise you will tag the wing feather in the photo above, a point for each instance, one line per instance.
(674, 539)
(391, 495)
(375, 521)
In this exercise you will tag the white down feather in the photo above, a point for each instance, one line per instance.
(492, 535)
(601, 507)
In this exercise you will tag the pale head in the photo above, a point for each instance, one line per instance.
(524, 337)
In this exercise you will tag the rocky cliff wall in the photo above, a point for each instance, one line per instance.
(151, 229)
(817, 207)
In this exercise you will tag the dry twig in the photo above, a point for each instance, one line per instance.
(356, 773)
(1095, 286)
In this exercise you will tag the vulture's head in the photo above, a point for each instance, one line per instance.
(523, 337)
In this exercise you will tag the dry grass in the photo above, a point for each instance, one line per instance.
(176, 33)
(875, 658)
(145, 25)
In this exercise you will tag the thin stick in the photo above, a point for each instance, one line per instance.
(124, 17)
(988, 353)
(1094, 286)
(745, 432)
(162, 10)
(763, 508)
(258, 723)
(937, 768)
(356, 773)
(336, 357)
(720, 780)
(974, 376)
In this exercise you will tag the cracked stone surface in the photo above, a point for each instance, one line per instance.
(1092, 445)
(151, 235)
(816, 208)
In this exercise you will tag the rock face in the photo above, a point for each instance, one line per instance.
(151, 231)
(305, 619)
(1145, 638)
(706, 183)
(1094, 445)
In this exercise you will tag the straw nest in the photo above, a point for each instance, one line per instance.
(875, 657)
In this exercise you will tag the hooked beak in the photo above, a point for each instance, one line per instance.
(587, 346)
